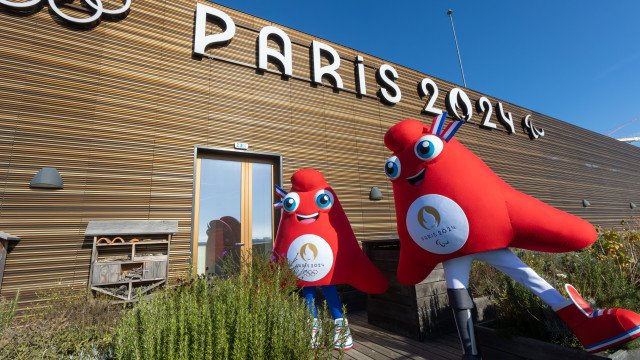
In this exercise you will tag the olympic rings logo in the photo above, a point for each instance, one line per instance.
(96, 7)
(307, 273)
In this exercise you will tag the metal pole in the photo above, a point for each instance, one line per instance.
(455, 38)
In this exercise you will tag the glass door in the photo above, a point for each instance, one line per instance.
(233, 212)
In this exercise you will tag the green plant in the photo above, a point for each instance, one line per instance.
(7, 312)
(249, 312)
(606, 274)
(73, 324)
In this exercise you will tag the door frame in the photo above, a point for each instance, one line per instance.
(208, 151)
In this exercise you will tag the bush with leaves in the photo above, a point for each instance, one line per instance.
(7, 312)
(606, 274)
(72, 325)
(250, 312)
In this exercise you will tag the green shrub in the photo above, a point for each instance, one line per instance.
(7, 312)
(606, 274)
(251, 312)
(72, 325)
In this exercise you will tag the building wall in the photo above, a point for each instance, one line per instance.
(118, 109)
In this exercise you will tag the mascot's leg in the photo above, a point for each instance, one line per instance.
(342, 335)
(456, 272)
(309, 294)
(511, 265)
(597, 330)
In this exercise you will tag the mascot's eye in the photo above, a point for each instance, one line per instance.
(291, 201)
(428, 147)
(324, 199)
(392, 167)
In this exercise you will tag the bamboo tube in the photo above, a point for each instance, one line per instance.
(117, 239)
(103, 240)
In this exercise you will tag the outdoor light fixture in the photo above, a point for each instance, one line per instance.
(47, 178)
(585, 203)
(632, 205)
(375, 194)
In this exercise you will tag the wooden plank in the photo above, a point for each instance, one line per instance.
(132, 227)
(397, 345)
(528, 348)
(426, 346)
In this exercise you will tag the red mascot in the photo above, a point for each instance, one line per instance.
(316, 239)
(452, 208)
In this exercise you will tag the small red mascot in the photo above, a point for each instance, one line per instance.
(452, 208)
(316, 239)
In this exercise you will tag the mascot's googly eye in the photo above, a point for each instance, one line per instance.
(290, 202)
(324, 199)
(392, 167)
(428, 147)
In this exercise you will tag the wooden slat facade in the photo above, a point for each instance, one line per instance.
(118, 109)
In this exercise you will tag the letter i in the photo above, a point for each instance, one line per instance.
(361, 85)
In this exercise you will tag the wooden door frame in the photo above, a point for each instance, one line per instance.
(239, 155)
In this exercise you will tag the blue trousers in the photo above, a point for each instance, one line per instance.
(330, 294)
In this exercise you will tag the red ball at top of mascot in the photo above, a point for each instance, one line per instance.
(316, 238)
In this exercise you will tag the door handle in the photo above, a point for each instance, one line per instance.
(239, 244)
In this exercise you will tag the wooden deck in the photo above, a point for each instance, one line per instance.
(371, 342)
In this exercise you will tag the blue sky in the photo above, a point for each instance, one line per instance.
(578, 61)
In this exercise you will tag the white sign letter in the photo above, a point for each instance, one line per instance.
(284, 58)
(361, 85)
(484, 106)
(429, 87)
(330, 70)
(200, 40)
(505, 118)
(458, 99)
(388, 82)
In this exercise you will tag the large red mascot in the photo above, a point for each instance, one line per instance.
(316, 239)
(452, 208)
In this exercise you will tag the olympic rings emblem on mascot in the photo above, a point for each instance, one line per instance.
(96, 6)
(310, 257)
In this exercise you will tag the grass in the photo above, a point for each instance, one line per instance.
(73, 325)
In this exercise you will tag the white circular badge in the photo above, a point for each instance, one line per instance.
(310, 257)
(437, 224)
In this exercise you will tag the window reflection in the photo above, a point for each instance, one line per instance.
(219, 211)
(262, 207)
(220, 207)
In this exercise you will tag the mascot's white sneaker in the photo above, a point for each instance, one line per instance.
(315, 333)
(342, 335)
(598, 330)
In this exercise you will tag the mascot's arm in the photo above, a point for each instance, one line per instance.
(541, 227)
(366, 277)
(413, 269)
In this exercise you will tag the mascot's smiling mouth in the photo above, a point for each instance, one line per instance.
(307, 219)
(416, 179)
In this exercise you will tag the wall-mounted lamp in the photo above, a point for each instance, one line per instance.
(585, 203)
(632, 206)
(375, 194)
(47, 178)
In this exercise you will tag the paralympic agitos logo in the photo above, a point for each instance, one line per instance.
(95, 10)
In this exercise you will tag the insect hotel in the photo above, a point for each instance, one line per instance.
(129, 258)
